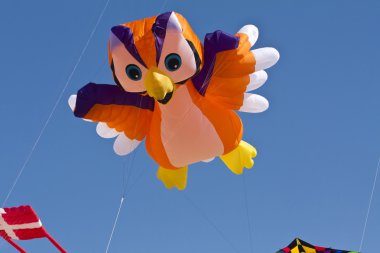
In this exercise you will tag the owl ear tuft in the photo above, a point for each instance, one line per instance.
(174, 24)
(120, 32)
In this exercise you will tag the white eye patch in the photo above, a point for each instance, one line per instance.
(129, 72)
(177, 58)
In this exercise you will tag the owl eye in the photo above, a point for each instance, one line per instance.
(173, 62)
(133, 72)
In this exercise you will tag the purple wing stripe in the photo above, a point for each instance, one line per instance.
(125, 35)
(214, 43)
(105, 94)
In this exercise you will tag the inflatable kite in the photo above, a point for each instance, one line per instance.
(299, 246)
(22, 223)
(178, 95)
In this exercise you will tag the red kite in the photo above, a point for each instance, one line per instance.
(22, 223)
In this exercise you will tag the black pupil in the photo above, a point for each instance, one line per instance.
(133, 72)
(173, 62)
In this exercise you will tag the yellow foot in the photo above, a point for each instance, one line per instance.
(173, 178)
(240, 157)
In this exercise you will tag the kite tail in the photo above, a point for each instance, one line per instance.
(55, 243)
(15, 245)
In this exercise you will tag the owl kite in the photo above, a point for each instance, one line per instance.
(177, 94)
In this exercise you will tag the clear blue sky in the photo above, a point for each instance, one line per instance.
(318, 143)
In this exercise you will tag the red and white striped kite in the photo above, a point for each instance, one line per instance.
(22, 223)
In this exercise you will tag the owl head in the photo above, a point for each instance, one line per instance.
(153, 56)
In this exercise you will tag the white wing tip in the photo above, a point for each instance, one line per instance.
(257, 79)
(124, 146)
(72, 101)
(106, 132)
(254, 103)
(265, 57)
(251, 31)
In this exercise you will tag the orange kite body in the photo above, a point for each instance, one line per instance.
(180, 95)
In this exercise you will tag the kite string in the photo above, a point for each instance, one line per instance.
(56, 104)
(129, 163)
(187, 113)
(369, 206)
(115, 223)
(128, 175)
(127, 169)
(196, 207)
(217, 86)
(247, 211)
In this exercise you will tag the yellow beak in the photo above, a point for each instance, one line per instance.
(157, 84)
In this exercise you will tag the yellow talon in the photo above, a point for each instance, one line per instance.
(240, 157)
(173, 178)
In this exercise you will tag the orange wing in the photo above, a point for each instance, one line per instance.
(125, 112)
(133, 121)
(231, 70)
(228, 62)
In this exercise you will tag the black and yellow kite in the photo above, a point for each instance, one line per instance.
(299, 246)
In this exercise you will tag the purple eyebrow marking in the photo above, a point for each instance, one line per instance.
(159, 31)
(125, 35)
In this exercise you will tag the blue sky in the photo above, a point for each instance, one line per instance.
(318, 143)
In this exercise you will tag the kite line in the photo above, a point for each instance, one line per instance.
(21, 170)
(369, 205)
(196, 207)
(247, 211)
(114, 225)
(127, 175)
